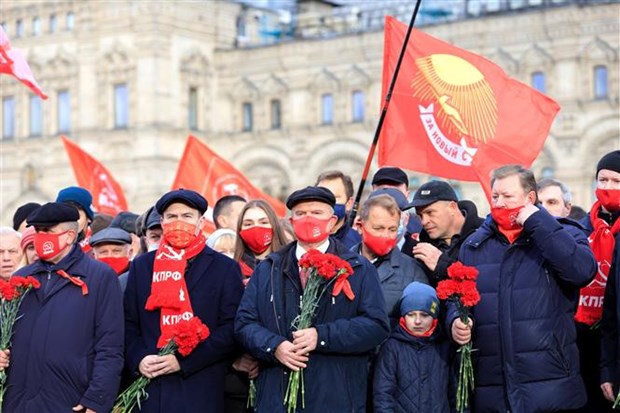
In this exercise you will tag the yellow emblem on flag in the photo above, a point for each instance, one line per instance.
(467, 104)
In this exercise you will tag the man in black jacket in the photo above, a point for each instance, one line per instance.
(446, 223)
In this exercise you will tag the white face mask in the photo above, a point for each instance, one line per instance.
(402, 227)
(152, 247)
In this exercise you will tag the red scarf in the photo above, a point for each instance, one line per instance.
(602, 241)
(430, 331)
(168, 289)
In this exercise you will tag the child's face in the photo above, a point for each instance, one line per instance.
(419, 322)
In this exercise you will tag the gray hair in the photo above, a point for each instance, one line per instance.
(526, 177)
(567, 197)
(71, 226)
(10, 231)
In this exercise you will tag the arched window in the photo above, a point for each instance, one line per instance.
(539, 82)
(600, 82)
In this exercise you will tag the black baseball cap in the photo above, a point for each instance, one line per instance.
(433, 191)
(390, 175)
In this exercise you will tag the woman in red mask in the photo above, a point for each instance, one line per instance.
(260, 233)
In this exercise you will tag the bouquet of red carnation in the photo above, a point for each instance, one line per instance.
(460, 288)
(12, 293)
(187, 335)
(320, 271)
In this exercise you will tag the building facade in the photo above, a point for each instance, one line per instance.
(129, 81)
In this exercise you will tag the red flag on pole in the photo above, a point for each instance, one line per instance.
(455, 114)
(13, 62)
(207, 173)
(108, 196)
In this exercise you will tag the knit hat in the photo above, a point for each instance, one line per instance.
(79, 197)
(27, 237)
(419, 297)
(22, 213)
(610, 161)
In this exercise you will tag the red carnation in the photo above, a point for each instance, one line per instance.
(469, 294)
(460, 272)
(447, 288)
(189, 333)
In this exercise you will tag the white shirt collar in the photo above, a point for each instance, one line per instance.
(299, 251)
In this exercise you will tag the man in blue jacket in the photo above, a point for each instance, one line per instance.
(182, 279)
(334, 352)
(531, 266)
(67, 350)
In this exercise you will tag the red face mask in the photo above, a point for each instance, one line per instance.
(179, 234)
(378, 245)
(257, 238)
(118, 264)
(48, 245)
(609, 198)
(311, 230)
(506, 218)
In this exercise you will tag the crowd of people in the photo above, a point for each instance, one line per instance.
(113, 289)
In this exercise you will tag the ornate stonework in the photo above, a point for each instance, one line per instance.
(162, 51)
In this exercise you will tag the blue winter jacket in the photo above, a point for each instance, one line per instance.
(348, 331)
(412, 374)
(214, 286)
(68, 347)
(527, 359)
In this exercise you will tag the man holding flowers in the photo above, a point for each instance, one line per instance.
(180, 281)
(349, 320)
(531, 266)
(67, 349)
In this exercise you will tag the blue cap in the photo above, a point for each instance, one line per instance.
(125, 220)
(51, 214)
(397, 195)
(186, 196)
(110, 236)
(419, 297)
(153, 219)
(78, 196)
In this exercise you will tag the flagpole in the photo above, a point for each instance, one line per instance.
(388, 97)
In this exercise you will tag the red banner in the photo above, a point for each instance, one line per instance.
(108, 196)
(213, 177)
(13, 62)
(455, 114)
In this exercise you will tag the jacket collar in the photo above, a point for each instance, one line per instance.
(67, 263)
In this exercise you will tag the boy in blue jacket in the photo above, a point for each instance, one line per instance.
(413, 368)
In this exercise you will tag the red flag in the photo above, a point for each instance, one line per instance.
(13, 62)
(108, 196)
(456, 114)
(207, 173)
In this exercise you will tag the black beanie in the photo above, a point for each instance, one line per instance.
(610, 161)
(22, 213)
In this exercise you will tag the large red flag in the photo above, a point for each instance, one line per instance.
(455, 114)
(207, 173)
(108, 196)
(13, 62)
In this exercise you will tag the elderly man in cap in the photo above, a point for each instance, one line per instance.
(67, 350)
(81, 199)
(208, 286)
(127, 221)
(378, 226)
(11, 251)
(113, 247)
(334, 352)
(446, 224)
